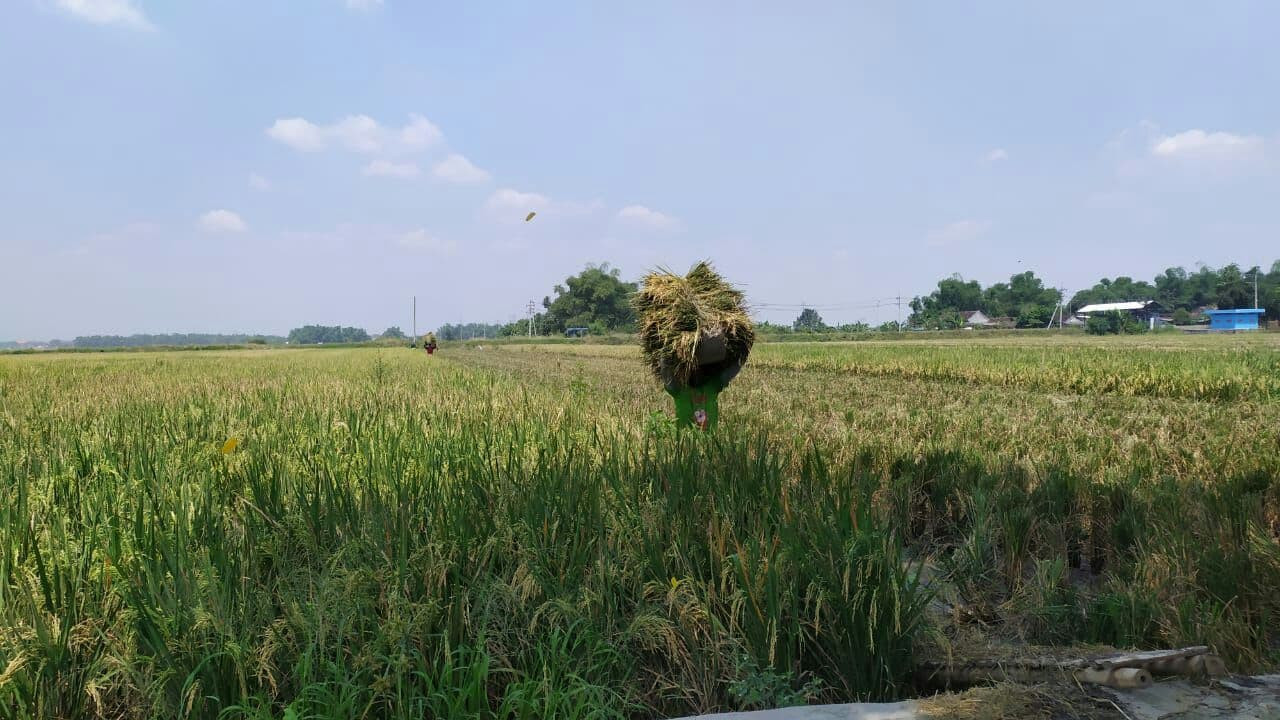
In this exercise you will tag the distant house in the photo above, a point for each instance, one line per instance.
(1073, 321)
(1238, 319)
(975, 318)
(1003, 322)
(1148, 312)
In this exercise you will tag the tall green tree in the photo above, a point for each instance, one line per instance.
(1172, 288)
(1271, 304)
(954, 294)
(1024, 297)
(595, 297)
(1204, 283)
(1233, 290)
(809, 320)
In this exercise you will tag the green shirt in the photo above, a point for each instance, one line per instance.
(698, 406)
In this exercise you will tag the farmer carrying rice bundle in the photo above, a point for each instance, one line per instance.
(695, 334)
(429, 343)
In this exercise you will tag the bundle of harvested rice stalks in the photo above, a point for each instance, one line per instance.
(690, 322)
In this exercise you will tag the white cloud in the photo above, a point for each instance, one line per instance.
(298, 134)
(222, 221)
(358, 133)
(1200, 144)
(641, 215)
(423, 241)
(959, 232)
(386, 168)
(516, 204)
(419, 134)
(125, 13)
(997, 155)
(363, 5)
(458, 169)
(510, 205)
(259, 183)
(1146, 156)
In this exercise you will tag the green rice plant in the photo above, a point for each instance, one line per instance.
(512, 532)
(1231, 373)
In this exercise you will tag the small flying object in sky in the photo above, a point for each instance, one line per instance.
(529, 217)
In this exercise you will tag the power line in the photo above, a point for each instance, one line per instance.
(870, 304)
(852, 305)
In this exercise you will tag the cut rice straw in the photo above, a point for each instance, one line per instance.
(677, 313)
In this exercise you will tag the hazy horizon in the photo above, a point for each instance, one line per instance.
(781, 316)
(247, 167)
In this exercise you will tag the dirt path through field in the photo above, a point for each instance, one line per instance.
(1240, 698)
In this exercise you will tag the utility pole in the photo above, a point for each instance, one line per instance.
(414, 337)
(899, 299)
(1059, 310)
(1255, 288)
(529, 311)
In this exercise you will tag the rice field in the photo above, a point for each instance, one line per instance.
(519, 531)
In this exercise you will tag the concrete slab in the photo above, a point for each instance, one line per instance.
(1246, 698)
(1237, 697)
(854, 711)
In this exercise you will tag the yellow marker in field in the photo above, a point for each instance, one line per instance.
(230, 444)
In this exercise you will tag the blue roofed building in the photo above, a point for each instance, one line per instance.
(1238, 319)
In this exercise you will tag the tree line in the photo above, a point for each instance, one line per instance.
(1024, 299)
(1029, 303)
(178, 339)
(1177, 289)
(467, 331)
(317, 334)
(306, 335)
(598, 299)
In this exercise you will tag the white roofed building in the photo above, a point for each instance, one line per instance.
(1133, 306)
(1149, 312)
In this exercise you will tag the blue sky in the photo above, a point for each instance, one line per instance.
(258, 165)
